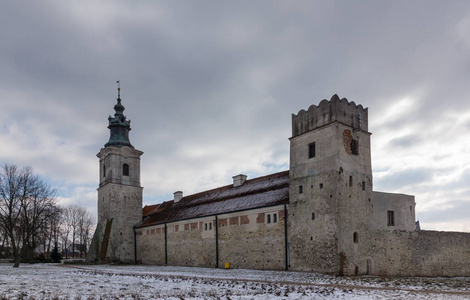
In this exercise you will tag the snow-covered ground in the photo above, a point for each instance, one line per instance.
(53, 281)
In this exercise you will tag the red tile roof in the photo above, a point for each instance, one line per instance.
(255, 193)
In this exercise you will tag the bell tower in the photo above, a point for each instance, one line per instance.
(119, 194)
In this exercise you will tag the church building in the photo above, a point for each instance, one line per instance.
(321, 215)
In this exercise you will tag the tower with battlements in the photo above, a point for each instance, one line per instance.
(330, 188)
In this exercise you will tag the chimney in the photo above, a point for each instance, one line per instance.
(178, 195)
(238, 180)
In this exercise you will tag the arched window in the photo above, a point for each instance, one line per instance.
(125, 170)
(275, 218)
(104, 171)
(269, 219)
(355, 237)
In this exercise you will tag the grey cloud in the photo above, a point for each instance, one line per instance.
(404, 179)
(221, 75)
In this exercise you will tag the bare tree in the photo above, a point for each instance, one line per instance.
(13, 183)
(65, 230)
(24, 198)
(35, 210)
(85, 226)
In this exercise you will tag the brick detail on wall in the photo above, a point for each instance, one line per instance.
(347, 138)
(177, 227)
(233, 220)
(223, 222)
(260, 218)
(244, 220)
(152, 231)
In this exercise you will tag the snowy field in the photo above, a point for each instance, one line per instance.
(53, 281)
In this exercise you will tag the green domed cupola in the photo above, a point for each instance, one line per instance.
(119, 127)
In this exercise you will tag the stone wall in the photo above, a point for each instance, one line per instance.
(403, 207)
(421, 253)
(245, 240)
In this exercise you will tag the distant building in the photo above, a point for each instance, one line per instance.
(321, 215)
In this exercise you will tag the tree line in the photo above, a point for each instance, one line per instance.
(31, 221)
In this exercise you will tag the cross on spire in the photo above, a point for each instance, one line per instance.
(119, 89)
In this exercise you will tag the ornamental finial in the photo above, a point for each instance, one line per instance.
(119, 89)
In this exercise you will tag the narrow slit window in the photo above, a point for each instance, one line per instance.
(313, 216)
(355, 237)
(210, 226)
(104, 171)
(274, 218)
(311, 150)
(205, 226)
(301, 189)
(350, 180)
(390, 218)
(125, 170)
(363, 185)
(268, 219)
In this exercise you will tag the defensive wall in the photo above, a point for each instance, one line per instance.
(421, 253)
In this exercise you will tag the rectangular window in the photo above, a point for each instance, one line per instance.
(354, 147)
(390, 218)
(311, 150)
(301, 189)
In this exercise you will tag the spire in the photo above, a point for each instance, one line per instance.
(118, 125)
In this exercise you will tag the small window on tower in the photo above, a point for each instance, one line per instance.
(354, 147)
(311, 150)
(301, 189)
(125, 170)
(104, 171)
(390, 218)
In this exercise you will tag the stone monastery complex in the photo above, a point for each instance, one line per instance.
(321, 215)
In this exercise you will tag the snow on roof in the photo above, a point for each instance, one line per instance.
(255, 193)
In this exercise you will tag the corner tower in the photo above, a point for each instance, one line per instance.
(119, 193)
(330, 189)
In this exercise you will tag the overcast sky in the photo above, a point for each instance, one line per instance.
(210, 87)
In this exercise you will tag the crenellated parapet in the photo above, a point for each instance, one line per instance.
(335, 110)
